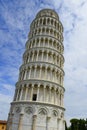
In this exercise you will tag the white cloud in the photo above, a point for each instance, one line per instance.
(4, 105)
(5, 98)
(8, 87)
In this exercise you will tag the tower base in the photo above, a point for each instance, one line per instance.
(35, 116)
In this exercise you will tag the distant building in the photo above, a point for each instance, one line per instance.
(3, 125)
(38, 100)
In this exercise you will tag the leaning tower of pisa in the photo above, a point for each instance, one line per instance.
(38, 100)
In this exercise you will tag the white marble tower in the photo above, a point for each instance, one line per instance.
(38, 100)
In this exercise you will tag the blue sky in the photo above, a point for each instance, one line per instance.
(15, 19)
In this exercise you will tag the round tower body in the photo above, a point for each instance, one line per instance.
(38, 100)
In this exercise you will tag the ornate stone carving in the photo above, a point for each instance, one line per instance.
(62, 114)
(54, 113)
(17, 109)
(28, 110)
(42, 112)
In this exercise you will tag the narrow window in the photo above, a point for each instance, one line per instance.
(34, 97)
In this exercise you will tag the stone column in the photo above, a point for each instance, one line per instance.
(34, 122)
(39, 43)
(25, 98)
(35, 72)
(20, 122)
(31, 93)
(22, 77)
(46, 21)
(58, 124)
(38, 92)
(32, 56)
(46, 73)
(54, 95)
(17, 94)
(48, 43)
(29, 56)
(50, 94)
(55, 75)
(42, 56)
(11, 122)
(56, 59)
(51, 74)
(51, 57)
(30, 73)
(58, 98)
(21, 93)
(44, 93)
(47, 57)
(62, 99)
(37, 56)
(16, 91)
(63, 124)
(60, 78)
(24, 74)
(40, 72)
(19, 78)
(47, 123)
(59, 61)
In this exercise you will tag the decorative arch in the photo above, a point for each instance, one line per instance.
(28, 110)
(17, 109)
(54, 113)
(42, 111)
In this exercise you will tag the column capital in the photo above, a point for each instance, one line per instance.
(46, 67)
(55, 88)
(51, 68)
(57, 91)
(34, 122)
(32, 86)
(35, 115)
(40, 66)
(21, 114)
(21, 86)
(50, 87)
(48, 117)
(35, 66)
(31, 67)
(44, 86)
(27, 85)
(42, 51)
(12, 113)
(38, 86)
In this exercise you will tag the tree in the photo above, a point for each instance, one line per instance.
(66, 126)
(78, 124)
(74, 124)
